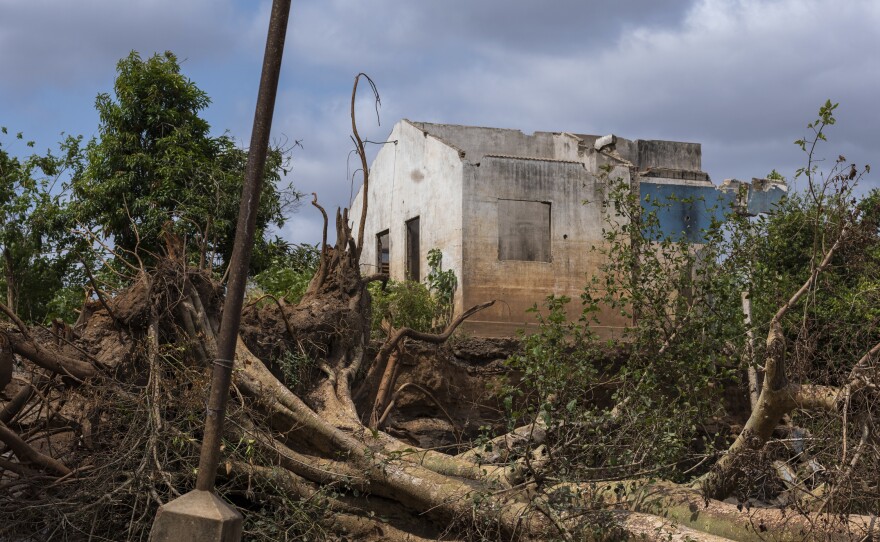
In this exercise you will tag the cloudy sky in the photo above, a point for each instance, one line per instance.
(742, 77)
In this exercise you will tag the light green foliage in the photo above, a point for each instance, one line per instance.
(287, 269)
(404, 304)
(442, 285)
(155, 166)
(558, 370)
(775, 176)
(424, 307)
(34, 268)
(556, 363)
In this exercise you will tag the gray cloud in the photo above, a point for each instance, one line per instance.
(386, 34)
(743, 77)
(68, 42)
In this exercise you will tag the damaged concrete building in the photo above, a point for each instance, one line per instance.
(516, 216)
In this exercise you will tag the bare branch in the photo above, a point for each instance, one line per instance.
(393, 401)
(16, 320)
(359, 143)
(97, 290)
(374, 278)
(321, 275)
(56, 362)
(813, 276)
(431, 337)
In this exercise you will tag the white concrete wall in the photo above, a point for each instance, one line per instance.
(420, 176)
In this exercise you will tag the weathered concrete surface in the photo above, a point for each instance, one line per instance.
(418, 176)
(483, 196)
(198, 516)
(574, 229)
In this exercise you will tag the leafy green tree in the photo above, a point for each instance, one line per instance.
(668, 370)
(426, 307)
(442, 285)
(840, 316)
(154, 167)
(34, 269)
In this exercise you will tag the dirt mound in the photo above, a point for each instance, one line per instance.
(447, 394)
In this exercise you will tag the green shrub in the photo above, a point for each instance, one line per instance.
(423, 307)
(403, 304)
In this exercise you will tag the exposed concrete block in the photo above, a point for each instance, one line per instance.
(198, 516)
(758, 197)
(669, 154)
(605, 141)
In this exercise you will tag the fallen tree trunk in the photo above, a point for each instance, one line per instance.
(690, 507)
(317, 440)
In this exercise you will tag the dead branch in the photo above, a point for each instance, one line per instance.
(363, 156)
(16, 320)
(7, 360)
(375, 277)
(280, 310)
(321, 275)
(14, 406)
(97, 290)
(495, 450)
(428, 394)
(24, 452)
(409, 333)
(53, 361)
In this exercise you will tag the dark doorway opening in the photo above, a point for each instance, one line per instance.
(383, 252)
(413, 271)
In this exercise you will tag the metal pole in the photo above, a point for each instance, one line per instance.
(243, 247)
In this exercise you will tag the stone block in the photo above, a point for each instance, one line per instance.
(198, 516)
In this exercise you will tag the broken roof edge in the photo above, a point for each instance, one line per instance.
(424, 126)
(473, 143)
(419, 126)
(534, 159)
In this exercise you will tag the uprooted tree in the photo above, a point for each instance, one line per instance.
(103, 422)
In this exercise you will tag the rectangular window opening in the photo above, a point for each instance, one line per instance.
(383, 252)
(413, 252)
(523, 230)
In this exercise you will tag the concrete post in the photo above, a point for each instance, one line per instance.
(200, 515)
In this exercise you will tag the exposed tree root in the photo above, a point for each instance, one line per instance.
(310, 444)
